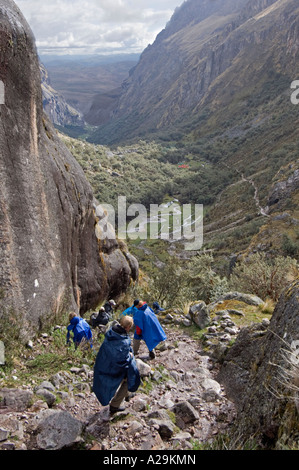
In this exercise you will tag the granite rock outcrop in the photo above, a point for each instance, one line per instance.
(51, 260)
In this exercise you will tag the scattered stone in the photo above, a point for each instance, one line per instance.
(139, 404)
(15, 399)
(134, 428)
(164, 418)
(236, 312)
(165, 428)
(186, 322)
(178, 439)
(144, 369)
(185, 414)
(199, 314)
(57, 430)
(48, 396)
(3, 434)
(47, 386)
(246, 298)
(8, 446)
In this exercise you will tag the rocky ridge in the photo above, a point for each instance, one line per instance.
(55, 105)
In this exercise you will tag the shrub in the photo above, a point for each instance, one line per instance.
(264, 276)
(167, 286)
(289, 247)
(203, 281)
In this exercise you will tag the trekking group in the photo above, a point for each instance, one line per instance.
(115, 371)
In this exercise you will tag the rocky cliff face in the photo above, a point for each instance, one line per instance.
(208, 54)
(261, 376)
(50, 257)
(55, 105)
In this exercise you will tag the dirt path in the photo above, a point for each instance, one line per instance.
(180, 376)
(179, 405)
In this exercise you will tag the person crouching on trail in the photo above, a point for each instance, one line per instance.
(148, 328)
(115, 369)
(81, 330)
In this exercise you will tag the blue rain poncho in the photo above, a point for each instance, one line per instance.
(129, 311)
(151, 331)
(81, 330)
(114, 363)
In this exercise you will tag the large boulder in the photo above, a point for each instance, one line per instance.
(50, 257)
(260, 374)
(57, 430)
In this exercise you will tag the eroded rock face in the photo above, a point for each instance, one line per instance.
(261, 376)
(50, 257)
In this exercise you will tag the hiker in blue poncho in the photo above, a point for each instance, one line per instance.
(81, 330)
(148, 328)
(115, 370)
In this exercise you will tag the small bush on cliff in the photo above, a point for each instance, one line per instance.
(264, 276)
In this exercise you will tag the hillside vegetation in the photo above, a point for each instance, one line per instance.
(233, 222)
(214, 92)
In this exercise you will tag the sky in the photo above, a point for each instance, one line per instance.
(96, 26)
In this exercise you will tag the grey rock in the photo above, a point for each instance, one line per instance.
(4, 434)
(48, 396)
(139, 404)
(47, 386)
(8, 446)
(179, 438)
(185, 413)
(81, 387)
(58, 380)
(11, 427)
(51, 259)
(58, 430)
(16, 399)
(200, 314)
(211, 390)
(144, 369)
(161, 420)
(254, 379)
(165, 428)
(246, 298)
(186, 322)
(231, 331)
(134, 427)
(236, 312)
(55, 105)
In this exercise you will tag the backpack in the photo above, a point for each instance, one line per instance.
(102, 318)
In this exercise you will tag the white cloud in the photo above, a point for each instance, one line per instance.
(88, 26)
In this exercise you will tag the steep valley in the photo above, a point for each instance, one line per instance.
(204, 118)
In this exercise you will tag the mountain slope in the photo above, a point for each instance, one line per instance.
(198, 52)
(216, 85)
(55, 105)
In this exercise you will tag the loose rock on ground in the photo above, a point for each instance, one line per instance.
(179, 405)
